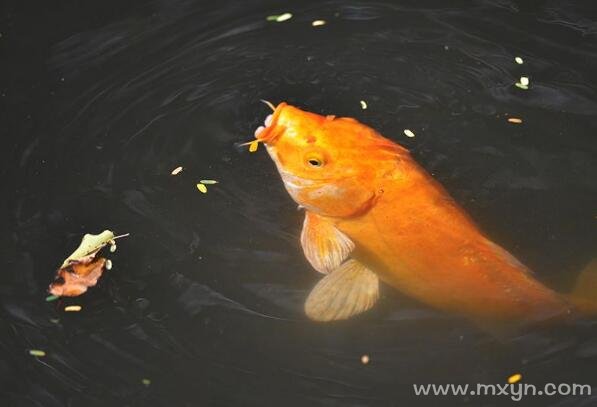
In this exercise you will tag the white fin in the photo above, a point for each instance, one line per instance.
(323, 244)
(349, 290)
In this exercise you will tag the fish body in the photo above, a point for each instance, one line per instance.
(373, 213)
(419, 241)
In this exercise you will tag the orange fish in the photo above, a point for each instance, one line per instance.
(372, 213)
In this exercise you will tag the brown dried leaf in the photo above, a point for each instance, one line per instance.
(82, 269)
(74, 280)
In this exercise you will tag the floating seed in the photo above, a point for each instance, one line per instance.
(176, 171)
(409, 133)
(253, 146)
(73, 308)
(363, 105)
(514, 378)
(278, 18)
(202, 188)
(283, 17)
(37, 352)
(318, 23)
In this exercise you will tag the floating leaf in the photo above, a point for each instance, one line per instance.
(73, 308)
(208, 181)
(37, 352)
(75, 279)
(52, 297)
(253, 146)
(82, 268)
(90, 245)
(521, 86)
(202, 188)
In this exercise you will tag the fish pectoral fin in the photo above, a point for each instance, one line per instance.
(325, 246)
(349, 290)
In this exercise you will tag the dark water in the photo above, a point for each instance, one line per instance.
(101, 101)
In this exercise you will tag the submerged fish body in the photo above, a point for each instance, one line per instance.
(373, 213)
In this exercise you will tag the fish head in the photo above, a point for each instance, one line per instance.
(328, 165)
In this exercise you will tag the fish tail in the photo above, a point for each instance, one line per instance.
(584, 293)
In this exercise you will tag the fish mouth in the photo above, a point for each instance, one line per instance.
(270, 130)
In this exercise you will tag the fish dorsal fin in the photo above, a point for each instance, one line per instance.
(349, 290)
(324, 245)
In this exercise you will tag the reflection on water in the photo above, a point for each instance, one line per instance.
(205, 297)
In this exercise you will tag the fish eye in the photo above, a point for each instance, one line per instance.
(315, 158)
(315, 162)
